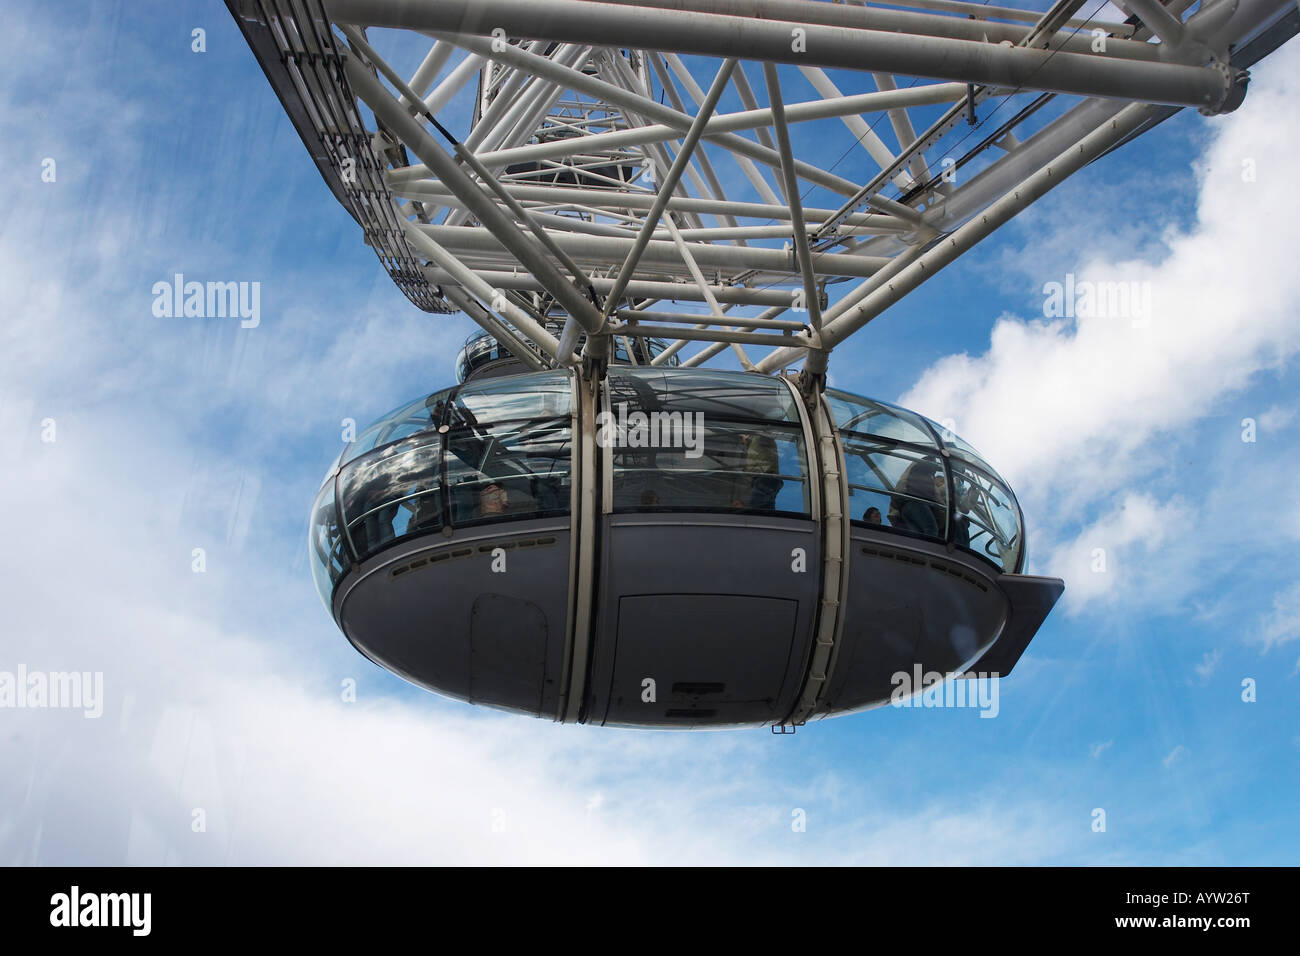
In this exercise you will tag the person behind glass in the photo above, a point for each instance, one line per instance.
(426, 508)
(961, 522)
(493, 500)
(914, 508)
(872, 516)
(761, 467)
(376, 528)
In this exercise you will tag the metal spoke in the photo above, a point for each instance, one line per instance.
(617, 158)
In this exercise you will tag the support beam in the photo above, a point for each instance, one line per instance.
(1162, 23)
(494, 327)
(690, 318)
(661, 253)
(974, 25)
(637, 289)
(802, 251)
(755, 119)
(968, 236)
(476, 286)
(427, 189)
(683, 31)
(685, 252)
(465, 154)
(669, 184)
(710, 335)
(643, 106)
(507, 232)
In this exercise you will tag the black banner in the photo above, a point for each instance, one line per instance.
(336, 905)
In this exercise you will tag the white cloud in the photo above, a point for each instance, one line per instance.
(1175, 755)
(223, 687)
(1209, 664)
(1117, 555)
(1282, 624)
(211, 708)
(1275, 418)
(1096, 750)
(1074, 403)
(1079, 414)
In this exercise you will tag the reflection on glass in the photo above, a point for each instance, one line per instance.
(717, 395)
(896, 487)
(514, 470)
(512, 398)
(708, 441)
(853, 413)
(742, 468)
(957, 445)
(392, 492)
(422, 415)
(988, 521)
(325, 545)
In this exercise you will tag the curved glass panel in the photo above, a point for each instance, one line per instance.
(853, 413)
(959, 446)
(896, 487)
(725, 466)
(657, 347)
(325, 546)
(542, 395)
(510, 470)
(703, 440)
(333, 465)
(410, 419)
(987, 518)
(392, 492)
(717, 395)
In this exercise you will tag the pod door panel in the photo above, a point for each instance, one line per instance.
(703, 624)
(481, 620)
(700, 659)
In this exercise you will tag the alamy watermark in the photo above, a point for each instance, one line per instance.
(651, 430)
(933, 689)
(63, 690)
(127, 910)
(1086, 299)
(211, 300)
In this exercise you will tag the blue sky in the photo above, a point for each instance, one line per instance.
(222, 688)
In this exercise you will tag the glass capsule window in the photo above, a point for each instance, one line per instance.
(539, 395)
(392, 492)
(325, 544)
(896, 487)
(509, 471)
(702, 440)
(987, 518)
(485, 451)
(863, 416)
(679, 440)
(956, 444)
(897, 483)
(718, 395)
(410, 419)
(510, 448)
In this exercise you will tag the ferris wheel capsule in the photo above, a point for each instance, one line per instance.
(675, 548)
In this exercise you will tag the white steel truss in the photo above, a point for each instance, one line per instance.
(620, 156)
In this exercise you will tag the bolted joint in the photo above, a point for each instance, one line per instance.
(1235, 82)
(811, 383)
(595, 363)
